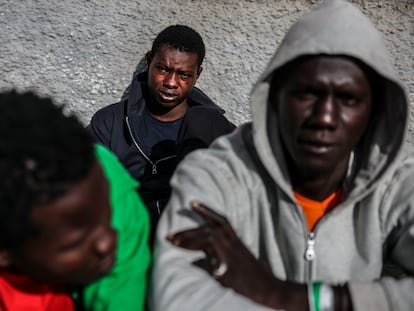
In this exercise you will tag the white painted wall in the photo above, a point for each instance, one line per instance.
(83, 52)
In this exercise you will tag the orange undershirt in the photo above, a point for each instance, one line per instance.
(314, 210)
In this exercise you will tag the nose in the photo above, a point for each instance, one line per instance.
(105, 242)
(170, 80)
(325, 113)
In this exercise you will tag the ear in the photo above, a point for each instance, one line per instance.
(5, 258)
(148, 59)
(200, 69)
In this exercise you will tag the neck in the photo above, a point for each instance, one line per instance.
(319, 186)
(166, 113)
(317, 189)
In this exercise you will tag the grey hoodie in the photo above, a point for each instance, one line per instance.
(243, 176)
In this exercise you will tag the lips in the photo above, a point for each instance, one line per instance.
(167, 96)
(316, 146)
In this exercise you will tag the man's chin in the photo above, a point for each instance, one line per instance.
(169, 104)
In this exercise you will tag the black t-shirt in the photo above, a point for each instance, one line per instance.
(158, 138)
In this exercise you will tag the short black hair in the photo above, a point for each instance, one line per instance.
(43, 151)
(182, 38)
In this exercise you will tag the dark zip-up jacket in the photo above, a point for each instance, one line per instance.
(117, 127)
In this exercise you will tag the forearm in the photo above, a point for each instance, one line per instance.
(179, 285)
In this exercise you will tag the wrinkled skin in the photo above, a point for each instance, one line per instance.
(171, 76)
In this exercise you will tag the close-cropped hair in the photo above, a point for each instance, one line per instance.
(43, 151)
(182, 38)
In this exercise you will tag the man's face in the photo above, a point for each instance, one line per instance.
(324, 108)
(171, 76)
(75, 243)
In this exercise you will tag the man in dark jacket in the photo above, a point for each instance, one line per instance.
(142, 129)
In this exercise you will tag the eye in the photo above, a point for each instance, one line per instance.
(348, 98)
(304, 93)
(75, 240)
(185, 75)
(162, 69)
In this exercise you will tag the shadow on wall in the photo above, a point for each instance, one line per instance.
(141, 67)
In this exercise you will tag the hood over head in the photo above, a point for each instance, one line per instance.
(336, 28)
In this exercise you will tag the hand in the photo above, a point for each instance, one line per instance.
(229, 261)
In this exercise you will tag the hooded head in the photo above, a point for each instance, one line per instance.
(335, 30)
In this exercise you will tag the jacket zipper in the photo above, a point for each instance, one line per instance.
(153, 164)
(157, 204)
(310, 246)
(310, 254)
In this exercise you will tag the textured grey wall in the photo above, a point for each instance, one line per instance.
(84, 52)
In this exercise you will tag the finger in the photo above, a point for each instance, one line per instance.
(197, 242)
(193, 239)
(212, 218)
(210, 239)
(190, 232)
(266, 266)
(204, 264)
(203, 238)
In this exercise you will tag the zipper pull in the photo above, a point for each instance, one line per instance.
(157, 204)
(154, 169)
(310, 248)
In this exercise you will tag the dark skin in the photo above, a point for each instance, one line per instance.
(171, 76)
(324, 108)
(75, 243)
(245, 274)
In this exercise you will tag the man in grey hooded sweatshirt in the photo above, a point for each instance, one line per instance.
(307, 207)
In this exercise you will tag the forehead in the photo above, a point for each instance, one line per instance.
(79, 206)
(315, 68)
(173, 57)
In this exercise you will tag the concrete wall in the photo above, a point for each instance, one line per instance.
(84, 52)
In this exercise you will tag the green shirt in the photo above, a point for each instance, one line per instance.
(124, 287)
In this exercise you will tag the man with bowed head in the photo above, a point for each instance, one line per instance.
(307, 207)
(73, 230)
(163, 117)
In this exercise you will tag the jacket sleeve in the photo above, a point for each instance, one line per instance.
(176, 283)
(124, 287)
(101, 125)
(395, 290)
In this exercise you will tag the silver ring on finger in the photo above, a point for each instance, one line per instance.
(220, 270)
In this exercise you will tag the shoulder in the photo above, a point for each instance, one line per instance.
(105, 121)
(227, 157)
(403, 165)
(223, 177)
(397, 189)
(198, 97)
(119, 179)
(108, 113)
